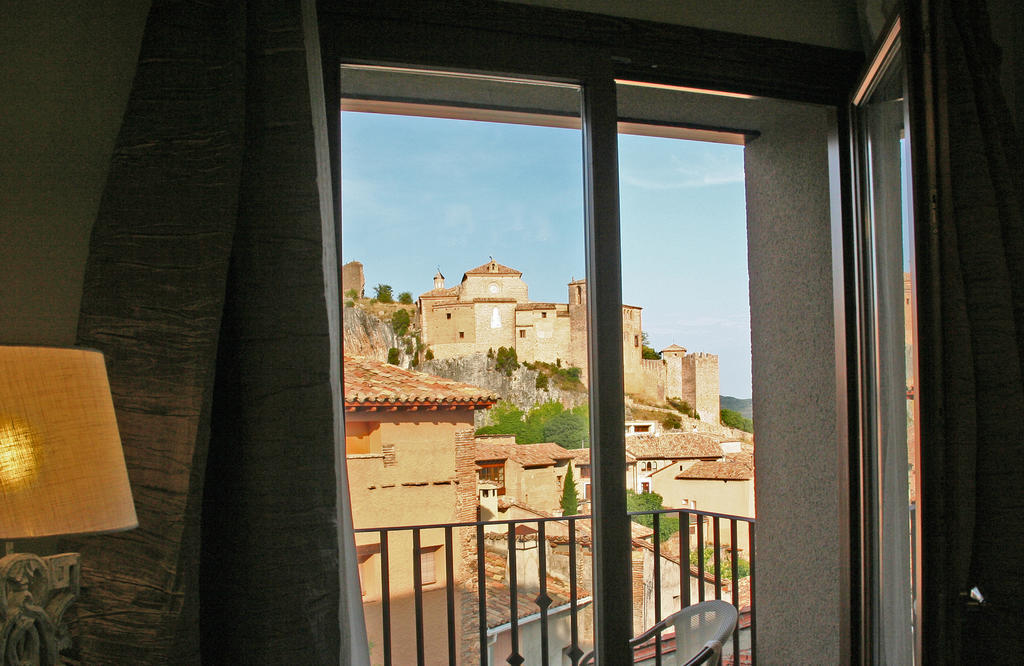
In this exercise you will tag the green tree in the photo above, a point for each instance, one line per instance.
(734, 419)
(647, 351)
(651, 502)
(566, 429)
(352, 293)
(400, 321)
(507, 419)
(506, 360)
(382, 292)
(405, 298)
(393, 356)
(429, 356)
(742, 565)
(570, 501)
(542, 381)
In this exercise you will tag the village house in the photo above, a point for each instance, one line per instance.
(654, 453)
(490, 308)
(409, 450)
(529, 473)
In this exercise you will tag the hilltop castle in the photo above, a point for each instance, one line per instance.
(491, 308)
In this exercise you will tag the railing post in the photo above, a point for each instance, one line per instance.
(385, 597)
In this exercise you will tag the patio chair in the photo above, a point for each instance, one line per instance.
(701, 630)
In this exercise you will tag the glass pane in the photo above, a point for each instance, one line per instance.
(686, 357)
(465, 346)
(890, 470)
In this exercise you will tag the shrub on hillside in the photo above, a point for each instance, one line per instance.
(382, 292)
(506, 361)
(671, 422)
(400, 321)
(734, 419)
(684, 407)
(393, 357)
(405, 298)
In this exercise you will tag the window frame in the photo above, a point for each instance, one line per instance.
(593, 51)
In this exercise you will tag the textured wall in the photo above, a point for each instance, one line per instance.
(794, 387)
(66, 76)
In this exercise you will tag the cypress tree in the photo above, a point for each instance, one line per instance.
(570, 502)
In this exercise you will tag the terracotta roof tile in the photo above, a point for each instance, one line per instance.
(373, 383)
(582, 456)
(499, 269)
(674, 446)
(527, 455)
(534, 305)
(444, 291)
(733, 467)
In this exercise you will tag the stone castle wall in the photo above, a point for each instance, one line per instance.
(495, 325)
(578, 328)
(700, 384)
(632, 333)
(352, 278)
(542, 334)
(653, 376)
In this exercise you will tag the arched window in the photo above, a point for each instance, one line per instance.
(495, 318)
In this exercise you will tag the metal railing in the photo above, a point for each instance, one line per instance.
(477, 538)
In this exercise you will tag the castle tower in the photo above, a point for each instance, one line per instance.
(578, 327)
(673, 356)
(700, 385)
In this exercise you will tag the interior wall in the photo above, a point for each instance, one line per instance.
(64, 84)
(823, 22)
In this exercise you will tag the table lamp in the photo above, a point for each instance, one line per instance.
(62, 472)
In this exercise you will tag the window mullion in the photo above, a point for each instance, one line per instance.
(611, 543)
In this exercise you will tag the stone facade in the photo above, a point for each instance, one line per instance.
(352, 278)
(490, 308)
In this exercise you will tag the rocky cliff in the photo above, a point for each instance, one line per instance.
(366, 335)
(519, 388)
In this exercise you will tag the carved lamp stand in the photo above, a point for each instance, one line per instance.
(62, 472)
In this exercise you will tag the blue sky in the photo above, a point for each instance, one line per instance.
(423, 193)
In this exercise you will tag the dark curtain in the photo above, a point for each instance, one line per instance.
(211, 287)
(973, 317)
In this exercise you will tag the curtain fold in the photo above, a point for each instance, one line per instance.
(211, 286)
(972, 492)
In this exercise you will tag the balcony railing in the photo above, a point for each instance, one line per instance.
(503, 579)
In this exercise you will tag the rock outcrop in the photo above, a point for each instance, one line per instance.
(519, 388)
(366, 335)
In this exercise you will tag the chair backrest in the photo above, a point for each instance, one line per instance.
(701, 631)
(708, 624)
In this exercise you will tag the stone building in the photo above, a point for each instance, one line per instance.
(491, 308)
(352, 278)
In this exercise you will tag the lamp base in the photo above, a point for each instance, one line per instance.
(34, 594)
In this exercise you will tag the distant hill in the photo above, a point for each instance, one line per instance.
(744, 406)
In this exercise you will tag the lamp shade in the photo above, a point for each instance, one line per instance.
(62, 469)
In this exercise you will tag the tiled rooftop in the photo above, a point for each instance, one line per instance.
(493, 268)
(733, 467)
(371, 383)
(674, 446)
(527, 455)
(443, 291)
(582, 456)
